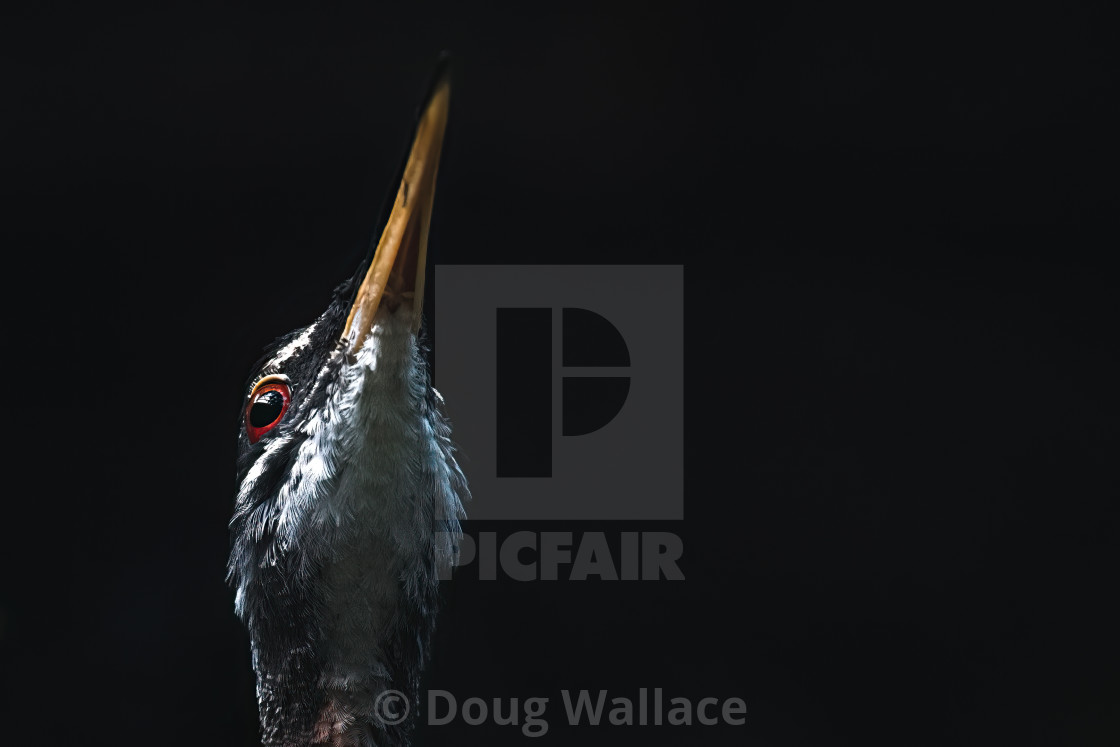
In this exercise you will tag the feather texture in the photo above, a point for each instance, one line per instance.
(345, 516)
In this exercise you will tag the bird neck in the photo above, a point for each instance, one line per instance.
(366, 519)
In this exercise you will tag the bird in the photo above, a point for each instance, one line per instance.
(349, 494)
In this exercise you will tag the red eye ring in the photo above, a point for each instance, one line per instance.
(265, 410)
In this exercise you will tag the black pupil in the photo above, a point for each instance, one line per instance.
(266, 409)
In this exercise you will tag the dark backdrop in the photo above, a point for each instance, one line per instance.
(900, 503)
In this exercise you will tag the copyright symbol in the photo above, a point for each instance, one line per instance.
(391, 707)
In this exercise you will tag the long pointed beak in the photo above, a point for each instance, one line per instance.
(395, 277)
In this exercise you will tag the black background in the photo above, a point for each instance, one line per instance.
(901, 509)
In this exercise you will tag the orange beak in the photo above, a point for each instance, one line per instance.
(395, 277)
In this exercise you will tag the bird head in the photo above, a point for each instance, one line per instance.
(349, 495)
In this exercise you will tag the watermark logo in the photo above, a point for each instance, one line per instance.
(534, 715)
(391, 707)
(591, 393)
(554, 556)
(566, 387)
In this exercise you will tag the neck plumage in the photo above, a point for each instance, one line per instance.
(341, 596)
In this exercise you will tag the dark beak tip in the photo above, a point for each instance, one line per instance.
(440, 76)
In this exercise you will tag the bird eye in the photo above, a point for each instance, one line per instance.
(266, 407)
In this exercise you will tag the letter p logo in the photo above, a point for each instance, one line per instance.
(565, 386)
(526, 386)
